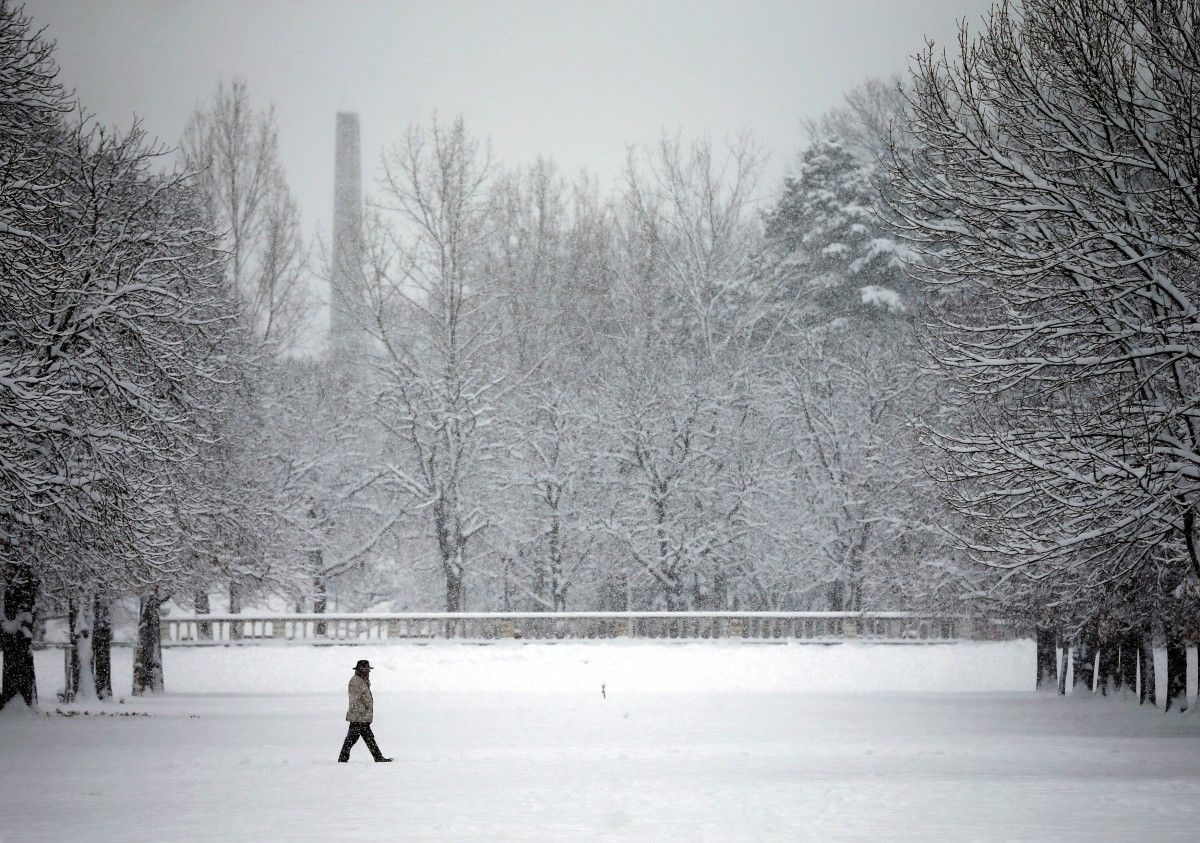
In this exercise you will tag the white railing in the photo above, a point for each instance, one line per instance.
(816, 627)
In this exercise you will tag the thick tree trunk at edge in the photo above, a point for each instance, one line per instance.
(16, 637)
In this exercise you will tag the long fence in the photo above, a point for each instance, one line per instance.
(810, 627)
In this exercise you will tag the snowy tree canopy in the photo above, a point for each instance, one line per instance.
(1051, 189)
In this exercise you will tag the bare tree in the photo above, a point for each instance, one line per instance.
(867, 519)
(429, 316)
(671, 373)
(235, 151)
(537, 268)
(869, 114)
(112, 343)
(693, 209)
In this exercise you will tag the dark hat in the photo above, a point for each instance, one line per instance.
(363, 663)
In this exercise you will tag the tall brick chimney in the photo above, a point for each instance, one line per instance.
(346, 282)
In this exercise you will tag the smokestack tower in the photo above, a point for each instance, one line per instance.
(346, 283)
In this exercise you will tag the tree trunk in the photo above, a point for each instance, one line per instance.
(451, 546)
(81, 650)
(1128, 674)
(318, 601)
(558, 585)
(1176, 676)
(615, 592)
(1158, 656)
(316, 565)
(1070, 659)
(1192, 680)
(1046, 665)
(854, 600)
(720, 589)
(454, 588)
(1147, 661)
(1109, 666)
(454, 592)
(674, 589)
(1061, 658)
(671, 579)
(235, 607)
(1137, 660)
(16, 636)
(1085, 663)
(203, 628)
(102, 647)
(506, 592)
(147, 660)
(71, 684)
(835, 596)
(39, 625)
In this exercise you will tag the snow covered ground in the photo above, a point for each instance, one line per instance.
(513, 741)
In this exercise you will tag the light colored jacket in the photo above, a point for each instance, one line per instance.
(362, 704)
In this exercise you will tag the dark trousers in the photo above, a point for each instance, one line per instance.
(356, 731)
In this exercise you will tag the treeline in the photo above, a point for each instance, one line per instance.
(119, 357)
(661, 398)
(666, 396)
(947, 364)
(143, 323)
(1050, 190)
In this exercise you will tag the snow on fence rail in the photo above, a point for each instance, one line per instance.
(815, 627)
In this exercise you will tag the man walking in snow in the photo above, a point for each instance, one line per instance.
(361, 713)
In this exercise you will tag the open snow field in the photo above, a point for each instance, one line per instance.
(696, 741)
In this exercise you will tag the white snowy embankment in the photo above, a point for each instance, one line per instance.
(516, 667)
(688, 742)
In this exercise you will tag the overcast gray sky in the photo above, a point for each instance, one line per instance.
(577, 81)
(573, 80)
